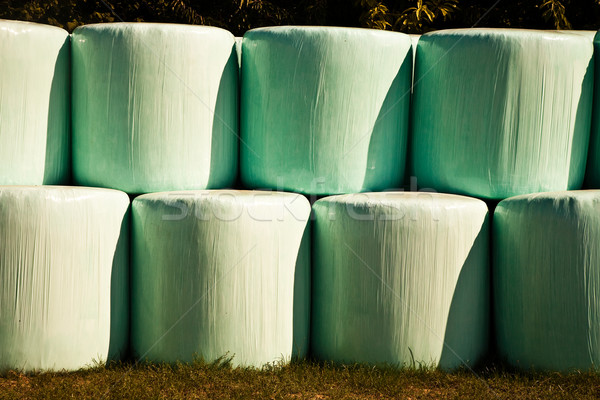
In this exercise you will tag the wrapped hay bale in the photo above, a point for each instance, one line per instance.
(155, 107)
(64, 290)
(220, 274)
(400, 279)
(501, 112)
(547, 280)
(324, 110)
(35, 107)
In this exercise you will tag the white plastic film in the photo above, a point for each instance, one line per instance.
(414, 40)
(35, 108)
(324, 110)
(501, 112)
(155, 107)
(588, 34)
(401, 279)
(220, 274)
(238, 50)
(547, 280)
(63, 277)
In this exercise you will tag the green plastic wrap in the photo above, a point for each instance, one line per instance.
(324, 110)
(220, 274)
(64, 290)
(155, 107)
(35, 111)
(547, 280)
(501, 112)
(400, 279)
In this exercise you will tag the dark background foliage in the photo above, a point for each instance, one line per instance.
(412, 16)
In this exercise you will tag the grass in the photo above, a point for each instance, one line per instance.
(299, 380)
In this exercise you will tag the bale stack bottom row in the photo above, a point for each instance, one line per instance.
(397, 278)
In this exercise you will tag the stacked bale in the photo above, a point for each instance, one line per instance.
(34, 104)
(401, 279)
(220, 274)
(501, 112)
(63, 277)
(324, 110)
(155, 107)
(547, 280)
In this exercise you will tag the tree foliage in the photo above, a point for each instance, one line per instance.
(419, 16)
(412, 16)
(554, 11)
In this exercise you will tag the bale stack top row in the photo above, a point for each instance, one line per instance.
(316, 110)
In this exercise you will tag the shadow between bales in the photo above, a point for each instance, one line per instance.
(120, 295)
(389, 137)
(492, 347)
(584, 136)
(302, 297)
(224, 148)
(408, 167)
(57, 160)
(466, 340)
(591, 180)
